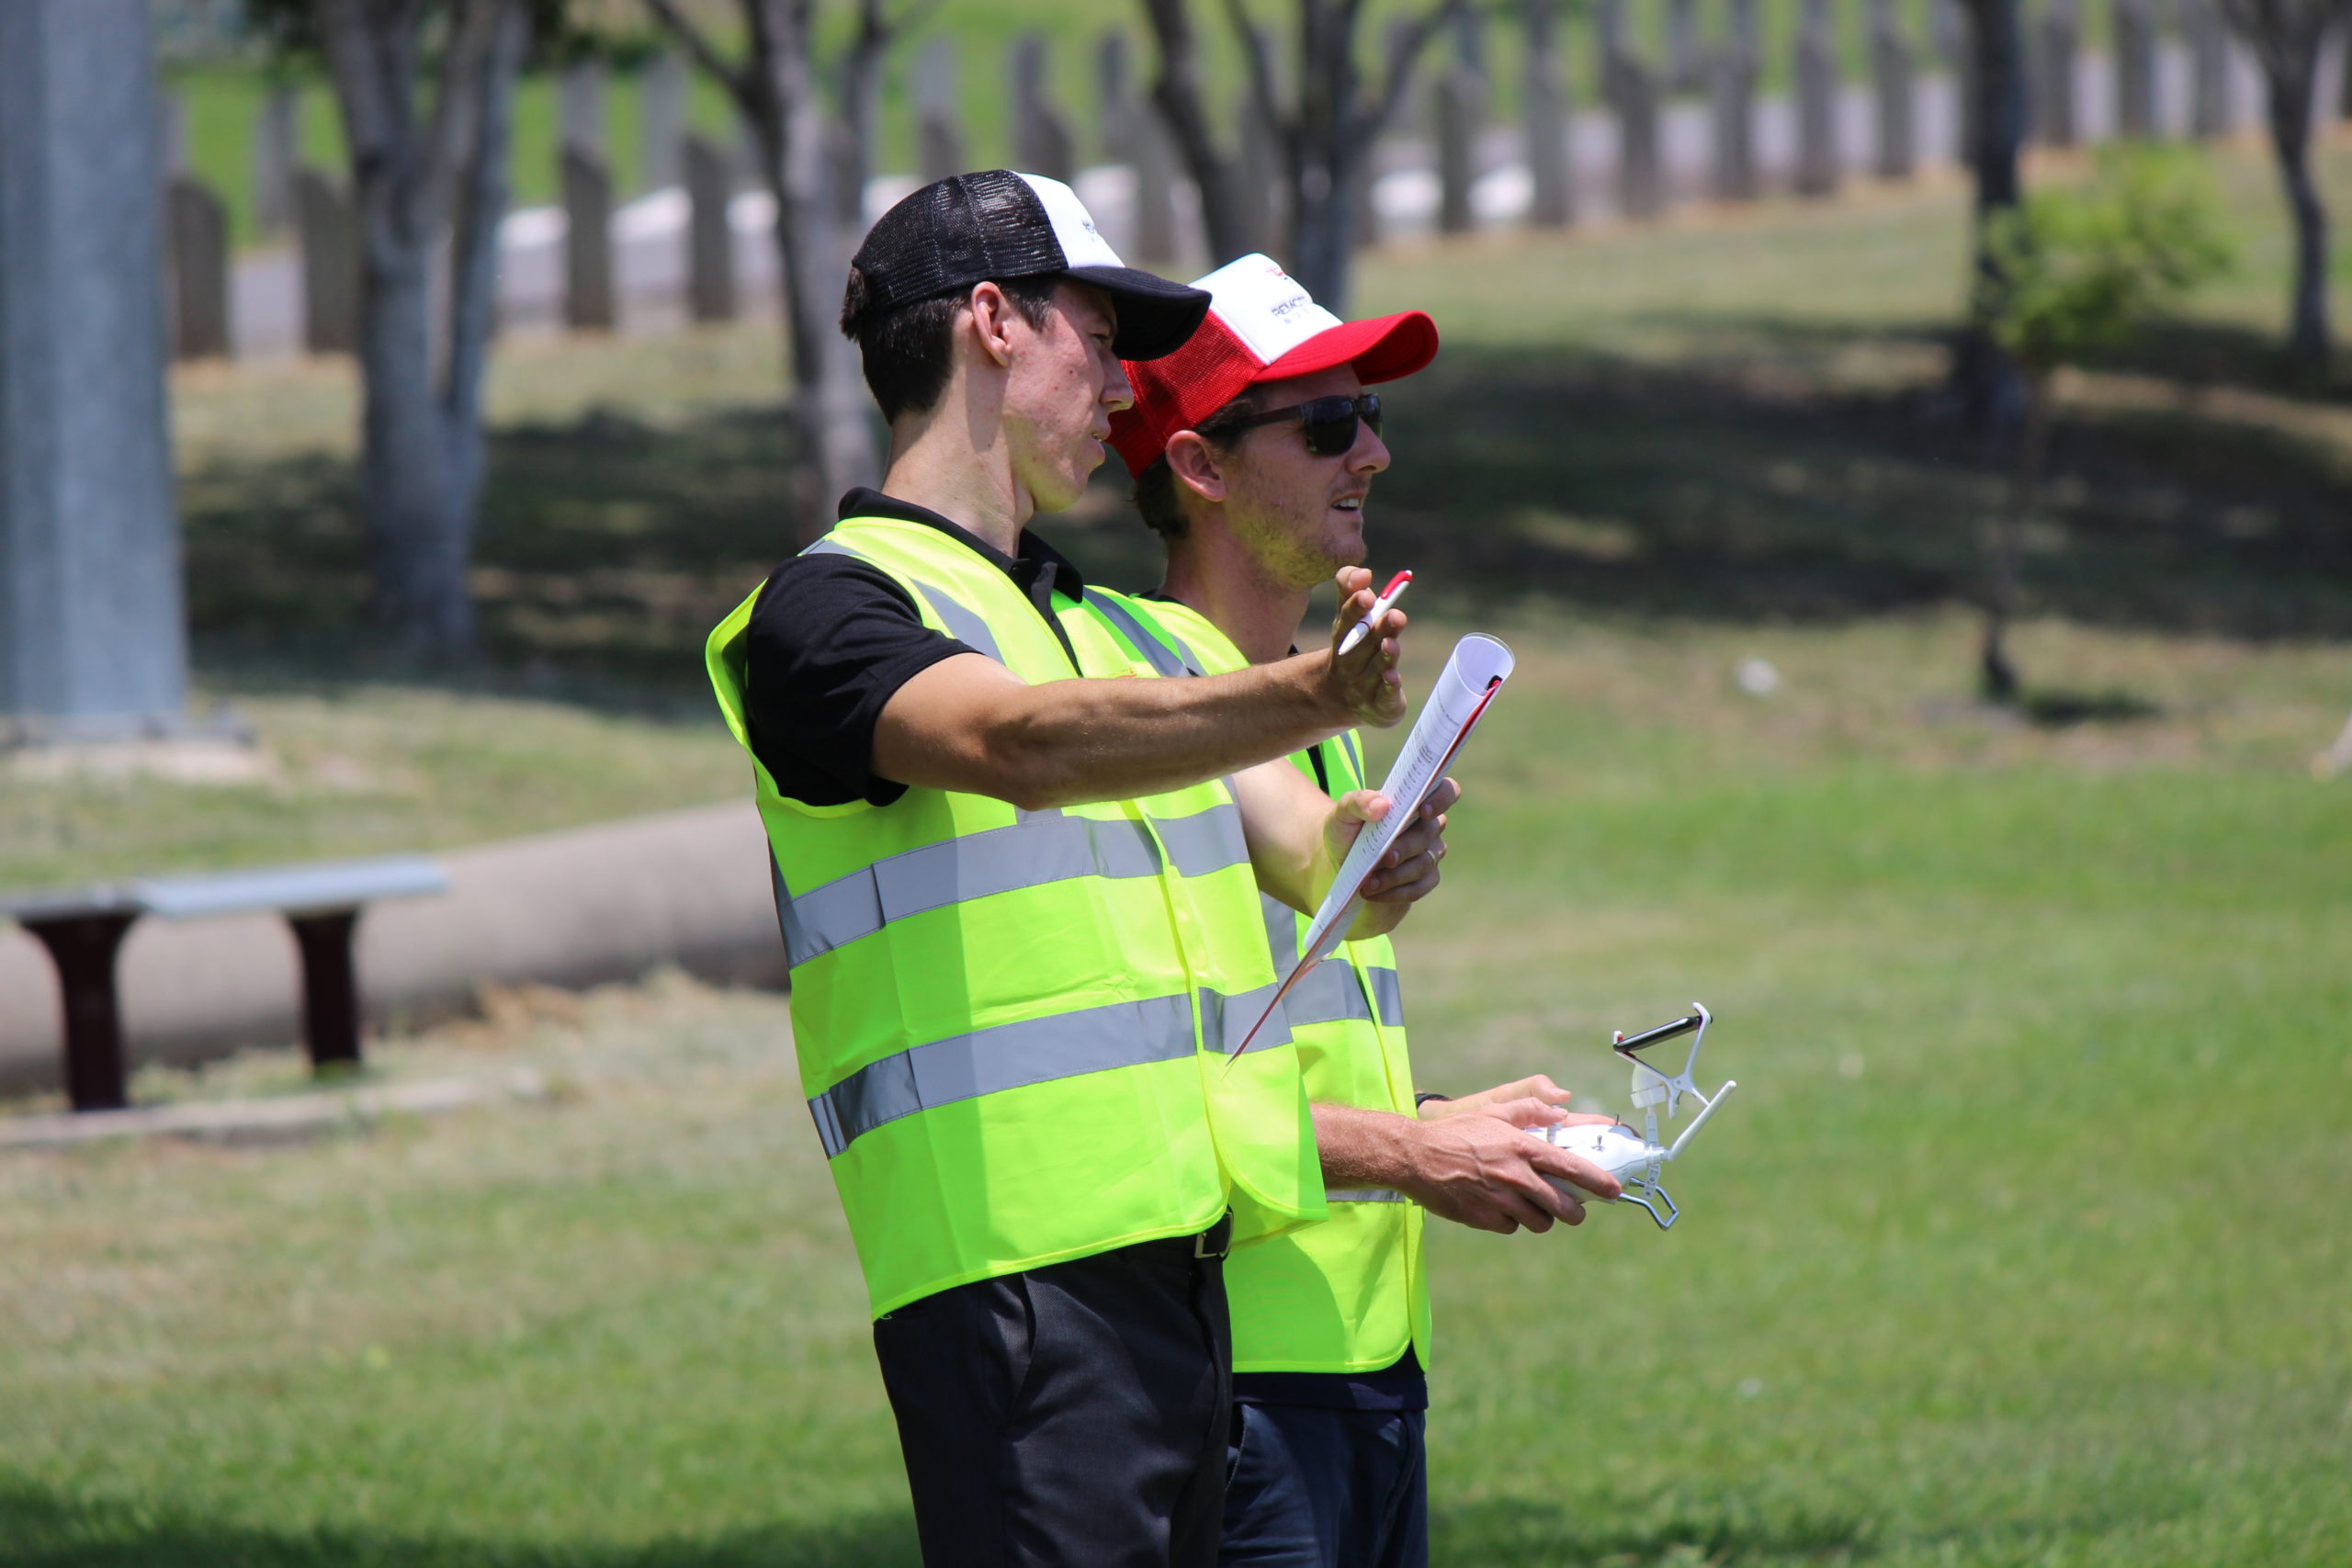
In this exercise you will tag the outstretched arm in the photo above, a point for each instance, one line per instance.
(968, 724)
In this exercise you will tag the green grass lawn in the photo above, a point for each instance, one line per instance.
(2022, 1242)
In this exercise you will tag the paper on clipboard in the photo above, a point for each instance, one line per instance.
(1474, 675)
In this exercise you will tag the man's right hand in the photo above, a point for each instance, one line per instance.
(1483, 1169)
(1366, 683)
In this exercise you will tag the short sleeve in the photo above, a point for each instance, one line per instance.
(831, 641)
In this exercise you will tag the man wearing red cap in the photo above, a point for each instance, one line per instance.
(1253, 448)
(1020, 900)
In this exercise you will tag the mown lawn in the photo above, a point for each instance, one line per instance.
(2022, 1242)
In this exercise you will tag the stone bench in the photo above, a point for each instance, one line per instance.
(82, 929)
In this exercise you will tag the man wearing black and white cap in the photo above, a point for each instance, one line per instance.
(1020, 897)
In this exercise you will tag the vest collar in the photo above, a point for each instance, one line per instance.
(1036, 562)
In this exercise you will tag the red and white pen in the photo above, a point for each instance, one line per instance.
(1388, 595)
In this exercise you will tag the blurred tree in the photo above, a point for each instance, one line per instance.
(813, 162)
(2075, 270)
(1325, 131)
(2287, 36)
(426, 89)
(1994, 78)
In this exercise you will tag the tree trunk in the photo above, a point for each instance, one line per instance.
(1991, 391)
(416, 518)
(474, 276)
(2291, 84)
(2005, 546)
(1176, 93)
(1325, 151)
(421, 465)
(832, 423)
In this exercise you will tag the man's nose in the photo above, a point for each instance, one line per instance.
(1117, 392)
(1370, 454)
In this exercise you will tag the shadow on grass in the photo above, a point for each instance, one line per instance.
(38, 1531)
(1751, 484)
(1530, 1534)
(2212, 354)
(2061, 709)
(1742, 490)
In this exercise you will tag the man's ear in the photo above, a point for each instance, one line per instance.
(992, 316)
(1198, 466)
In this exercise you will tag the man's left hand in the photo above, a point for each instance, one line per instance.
(1408, 872)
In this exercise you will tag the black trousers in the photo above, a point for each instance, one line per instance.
(1327, 1489)
(1074, 1414)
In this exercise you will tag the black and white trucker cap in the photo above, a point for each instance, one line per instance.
(998, 224)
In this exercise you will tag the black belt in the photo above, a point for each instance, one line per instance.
(1214, 1242)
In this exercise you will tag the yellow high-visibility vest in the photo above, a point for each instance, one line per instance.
(1349, 1294)
(1011, 1024)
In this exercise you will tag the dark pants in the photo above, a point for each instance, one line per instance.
(1074, 1414)
(1327, 1489)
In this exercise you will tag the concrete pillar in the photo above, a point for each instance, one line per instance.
(939, 134)
(1893, 85)
(2135, 69)
(93, 629)
(1041, 134)
(330, 242)
(1818, 159)
(2060, 34)
(1544, 101)
(710, 242)
(1136, 136)
(579, 108)
(1460, 102)
(2210, 111)
(1259, 167)
(1954, 36)
(1685, 62)
(1731, 92)
(196, 226)
(587, 242)
(661, 122)
(1634, 92)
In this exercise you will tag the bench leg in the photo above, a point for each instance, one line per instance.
(83, 948)
(330, 987)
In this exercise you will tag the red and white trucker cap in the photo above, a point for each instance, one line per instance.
(1261, 326)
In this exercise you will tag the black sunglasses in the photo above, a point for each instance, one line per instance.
(1330, 423)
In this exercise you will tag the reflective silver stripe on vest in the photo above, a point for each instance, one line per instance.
(962, 624)
(1329, 993)
(1167, 661)
(1014, 1056)
(1225, 1021)
(1041, 848)
(1367, 1195)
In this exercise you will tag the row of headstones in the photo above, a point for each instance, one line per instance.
(318, 207)
(1727, 72)
(1634, 92)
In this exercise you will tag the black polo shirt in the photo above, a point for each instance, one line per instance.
(832, 638)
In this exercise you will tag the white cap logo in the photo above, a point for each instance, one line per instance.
(1073, 225)
(1264, 307)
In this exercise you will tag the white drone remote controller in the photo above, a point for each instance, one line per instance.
(1633, 1157)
